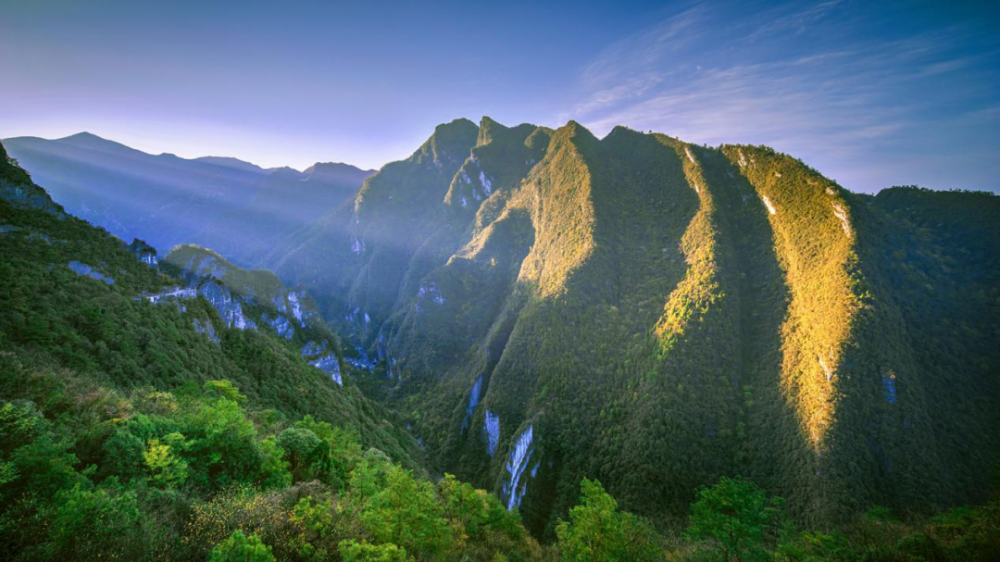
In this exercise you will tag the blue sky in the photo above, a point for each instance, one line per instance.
(870, 93)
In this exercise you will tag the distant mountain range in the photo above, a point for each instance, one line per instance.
(227, 204)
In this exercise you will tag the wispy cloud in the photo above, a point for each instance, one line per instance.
(794, 19)
(804, 79)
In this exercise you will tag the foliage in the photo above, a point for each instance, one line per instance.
(354, 551)
(597, 531)
(128, 434)
(394, 507)
(102, 523)
(240, 548)
(167, 469)
(740, 519)
(316, 521)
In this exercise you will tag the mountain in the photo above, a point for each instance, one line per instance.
(657, 314)
(119, 320)
(547, 306)
(234, 163)
(255, 299)
(160, 411)
(226, 204)
(337, 172)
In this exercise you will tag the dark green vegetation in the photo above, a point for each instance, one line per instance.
(231, 206)
(53, 318)
(548, 306)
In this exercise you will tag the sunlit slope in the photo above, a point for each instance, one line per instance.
(548, 305)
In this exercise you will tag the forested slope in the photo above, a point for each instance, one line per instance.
(547, 306)
(146, 416)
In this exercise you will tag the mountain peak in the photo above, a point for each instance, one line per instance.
(449, 143)
(328, 166)
(82, 135)
(573, 127)
(487, 124)
(286, 172)
(459, 130)
(231, 162)
(337, 172)
(576, 134)
(456, 124)
(93, 142)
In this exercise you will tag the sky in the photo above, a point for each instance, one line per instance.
(872, 94)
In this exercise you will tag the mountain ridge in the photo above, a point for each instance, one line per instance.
(234, 207)
(514, 286)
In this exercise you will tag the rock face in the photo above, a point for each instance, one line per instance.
(252, 300)
(144, 252)
(657, 314)
(89, 271)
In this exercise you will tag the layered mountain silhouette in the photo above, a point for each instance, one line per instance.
(656, 314)
(229, 205)
(545, 306)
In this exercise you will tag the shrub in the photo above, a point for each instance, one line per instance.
(241, 548)
(353, 551)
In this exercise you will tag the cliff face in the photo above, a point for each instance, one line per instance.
(656, 314)
(254, 300)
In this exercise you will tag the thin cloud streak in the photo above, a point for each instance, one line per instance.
(800, 80)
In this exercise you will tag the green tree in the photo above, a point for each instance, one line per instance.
(597, 531)
(343, 450)
(738, 518)
(123, 454)
(225, 446)
(397, 508)
(38, 459)
(477, 511)
(241, 548)
(166, 468)
(224, 389)
(368, 477)
(353, 551)
(89, 525)
(274, 466)
(315, 519)
(308, 456)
